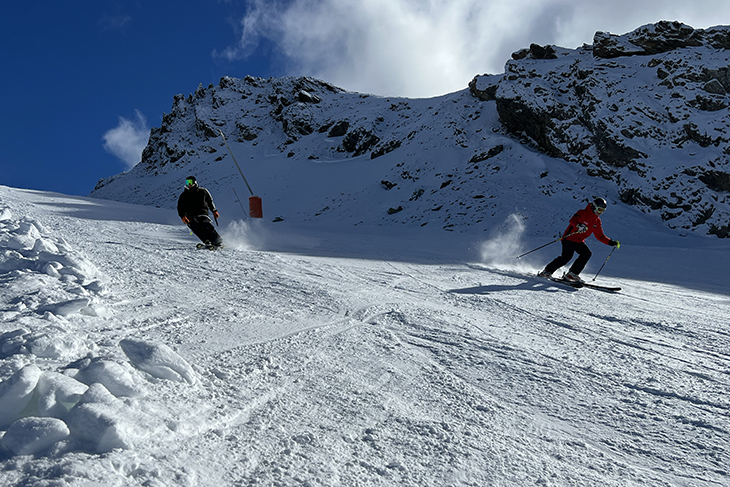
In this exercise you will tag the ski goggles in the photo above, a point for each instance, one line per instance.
(599, 210)
(189, 182)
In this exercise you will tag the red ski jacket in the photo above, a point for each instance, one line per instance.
(589, 219)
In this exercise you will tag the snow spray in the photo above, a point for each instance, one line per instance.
(245, 235)
(500, 250)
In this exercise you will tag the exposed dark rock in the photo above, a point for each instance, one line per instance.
(388, 185)
(484, 87)
(359, 141)
(522, 117)
(204, 130)
(617, 154)
(722, 75)
(306, 97)
(716, 180)
(714, 86)
(483, 156)
(694, 134)
(535, 51)
(339, 129)
(542, 52)
(721, 231)
(634, 197)
(650, 39)
(247, 133)
(385, 148)
(708, 103)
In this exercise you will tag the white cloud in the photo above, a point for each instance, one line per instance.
(431, 47)
(128, 139)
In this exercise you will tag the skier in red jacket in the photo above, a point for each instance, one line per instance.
(584, 223)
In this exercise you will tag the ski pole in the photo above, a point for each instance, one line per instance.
(543, 246)
(604, 263)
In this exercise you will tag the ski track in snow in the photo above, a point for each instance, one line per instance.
(319, 370)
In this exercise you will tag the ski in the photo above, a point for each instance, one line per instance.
(610, 289)
(578, 285)
(573, 284)
(208, 247)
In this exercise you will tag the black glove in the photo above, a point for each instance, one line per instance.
(582, 228)
(615, 243)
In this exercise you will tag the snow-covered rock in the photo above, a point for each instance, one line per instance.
(112, 375)
(16, 392)
(57, 344)
(12, 342)
(58, 393)
(100, 422)
(30, 436)
(158, 360)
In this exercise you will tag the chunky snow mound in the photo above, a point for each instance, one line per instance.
(75, 401)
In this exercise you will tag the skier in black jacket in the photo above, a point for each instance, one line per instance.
(193, 206)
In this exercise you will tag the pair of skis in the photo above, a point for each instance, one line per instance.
(208, 246)
(578, 285)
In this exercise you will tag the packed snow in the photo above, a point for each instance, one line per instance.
(301, 355)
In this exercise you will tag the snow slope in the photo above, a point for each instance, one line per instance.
(372, 356)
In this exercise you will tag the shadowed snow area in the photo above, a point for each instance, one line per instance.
(359, 357)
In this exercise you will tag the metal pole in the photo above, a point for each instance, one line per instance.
(234, 160)
(239, 200)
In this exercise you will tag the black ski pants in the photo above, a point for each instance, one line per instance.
(204, 230)
(570, 248)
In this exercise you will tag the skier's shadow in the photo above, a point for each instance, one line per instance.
(523, 286)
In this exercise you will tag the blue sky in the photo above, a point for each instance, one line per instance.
(72, 69)
(83, 82)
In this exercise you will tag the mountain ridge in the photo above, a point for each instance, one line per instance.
(642, 124)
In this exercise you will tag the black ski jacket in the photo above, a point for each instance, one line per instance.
(195, 202)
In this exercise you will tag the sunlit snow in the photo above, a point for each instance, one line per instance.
(298, 356)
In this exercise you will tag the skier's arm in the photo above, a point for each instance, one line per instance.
(209, 201)
(180, 210)
(598, 232)
(575, 222)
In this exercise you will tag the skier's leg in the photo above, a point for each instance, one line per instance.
(584, 254)
(562, 259)
(197, 228)
(209, 233)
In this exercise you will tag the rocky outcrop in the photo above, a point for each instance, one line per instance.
(658, 38)
(629, 109)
